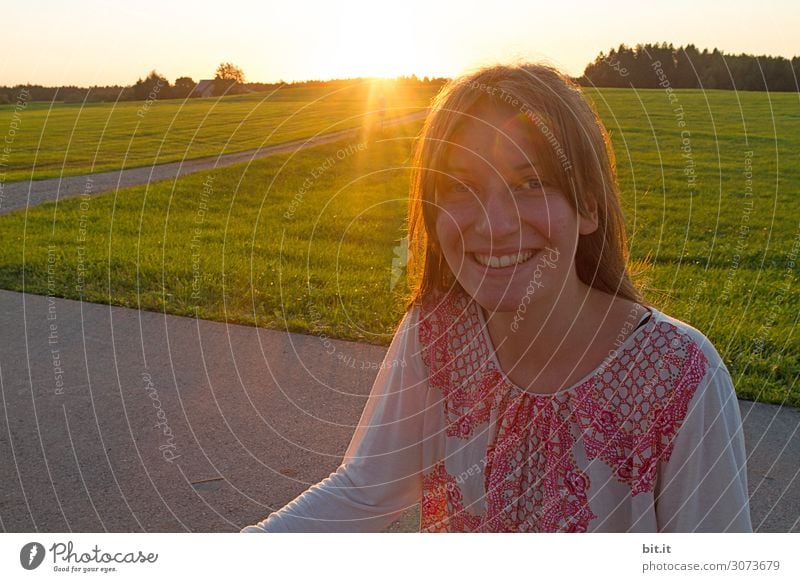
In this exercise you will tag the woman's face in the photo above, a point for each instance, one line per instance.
(504, 231)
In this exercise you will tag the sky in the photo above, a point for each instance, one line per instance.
(93, 42)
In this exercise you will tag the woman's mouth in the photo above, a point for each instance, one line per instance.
(501, 261)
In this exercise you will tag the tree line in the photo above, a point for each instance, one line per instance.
(689, 68)
(229, 80)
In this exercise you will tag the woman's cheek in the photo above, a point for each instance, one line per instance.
(536, 210)
(452, 220)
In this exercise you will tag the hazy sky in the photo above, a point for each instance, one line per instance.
(98, 42)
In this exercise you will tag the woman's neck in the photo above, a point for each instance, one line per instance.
(542, 331)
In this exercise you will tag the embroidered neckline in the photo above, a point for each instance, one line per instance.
(625, 415)
(494, 363)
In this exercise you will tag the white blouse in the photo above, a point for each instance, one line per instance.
(650, 441)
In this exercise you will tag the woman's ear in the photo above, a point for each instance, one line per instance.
(589, 222)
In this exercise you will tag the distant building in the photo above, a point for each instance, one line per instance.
(204, 88)
(216, 87)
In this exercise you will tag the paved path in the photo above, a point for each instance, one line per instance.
(119, 420)
(18, 195)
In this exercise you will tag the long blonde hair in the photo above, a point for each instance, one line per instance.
(572, 146)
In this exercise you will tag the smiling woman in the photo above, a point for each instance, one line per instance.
(540, 391)
(496, 211)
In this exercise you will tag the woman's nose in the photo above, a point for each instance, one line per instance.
(499, 215)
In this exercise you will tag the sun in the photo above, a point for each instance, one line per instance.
(375, 40)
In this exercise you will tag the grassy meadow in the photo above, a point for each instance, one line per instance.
(306, 241)
(71, 139)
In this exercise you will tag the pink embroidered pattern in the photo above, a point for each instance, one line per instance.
(532, 482)
(632, 427)
(457, 358)
(626, 414)
(442, 504)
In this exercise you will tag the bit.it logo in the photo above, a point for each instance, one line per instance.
(31, 555)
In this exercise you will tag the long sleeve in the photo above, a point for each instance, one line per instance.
(381, 473)
(703, 486)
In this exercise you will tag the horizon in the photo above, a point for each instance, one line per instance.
(89, 43)
(420, 78)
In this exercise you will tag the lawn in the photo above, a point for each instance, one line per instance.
(307, 241)
(51, 140)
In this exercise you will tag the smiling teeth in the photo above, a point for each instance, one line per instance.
(503, 260)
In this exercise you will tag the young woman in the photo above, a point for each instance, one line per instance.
(540, 391)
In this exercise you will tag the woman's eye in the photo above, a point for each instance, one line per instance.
(530, 184)
(457, 187)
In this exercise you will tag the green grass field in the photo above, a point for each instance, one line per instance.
(73, 139)
(295, 241)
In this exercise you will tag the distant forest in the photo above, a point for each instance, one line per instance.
(689, 68)
(645, 66)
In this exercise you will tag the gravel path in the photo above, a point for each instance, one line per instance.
(18, 195)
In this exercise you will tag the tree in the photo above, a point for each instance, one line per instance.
(687, 64)
(183, 87)
(230, 72)
(152, 87)
(228, 80)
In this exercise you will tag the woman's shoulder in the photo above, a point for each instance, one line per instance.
(687, 335)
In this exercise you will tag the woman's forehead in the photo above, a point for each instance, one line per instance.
(499, 136)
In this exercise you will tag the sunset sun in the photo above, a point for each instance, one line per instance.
(374, 43)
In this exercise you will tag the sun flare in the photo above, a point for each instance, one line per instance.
(375, 42)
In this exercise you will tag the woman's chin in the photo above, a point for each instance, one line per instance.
(494, 302)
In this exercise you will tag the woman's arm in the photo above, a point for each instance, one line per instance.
(703, 486)
(380, 475)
